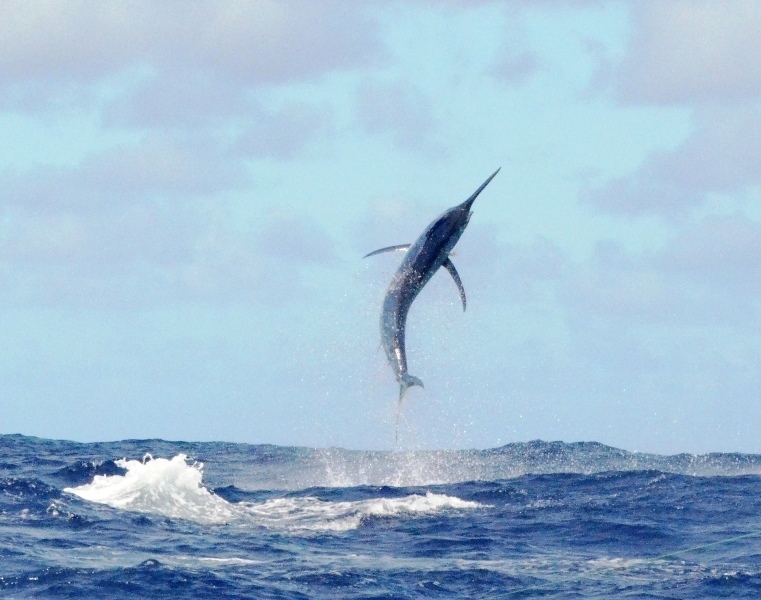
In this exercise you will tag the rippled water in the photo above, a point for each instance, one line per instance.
(155, 519)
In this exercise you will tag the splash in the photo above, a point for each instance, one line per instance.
(313, 514)
(345, 468)
(173, 488)
(169, 488)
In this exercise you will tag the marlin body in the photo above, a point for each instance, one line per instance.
(429, 252)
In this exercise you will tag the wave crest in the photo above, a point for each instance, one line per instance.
(166, 487)
(173, 488)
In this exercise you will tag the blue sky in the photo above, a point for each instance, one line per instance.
(187, 189)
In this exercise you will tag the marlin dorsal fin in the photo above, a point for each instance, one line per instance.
(449, 266)
(399, 248)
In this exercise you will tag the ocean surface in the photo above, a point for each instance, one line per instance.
(157, 519)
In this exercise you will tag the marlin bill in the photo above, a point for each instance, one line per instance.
(423, 258)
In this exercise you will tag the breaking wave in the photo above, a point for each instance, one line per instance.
(173, 488)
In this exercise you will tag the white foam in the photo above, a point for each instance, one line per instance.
(170, 488)
(173, 488)
(313, 514)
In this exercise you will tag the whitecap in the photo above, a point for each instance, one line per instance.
(173, 488)
(312, 514)
(170, 488)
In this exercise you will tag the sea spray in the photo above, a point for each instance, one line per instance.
(539, 518)
(171, 488)
(174, 488)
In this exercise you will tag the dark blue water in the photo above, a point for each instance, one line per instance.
(536, 520)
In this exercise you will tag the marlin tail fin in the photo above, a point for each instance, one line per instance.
(405, 381)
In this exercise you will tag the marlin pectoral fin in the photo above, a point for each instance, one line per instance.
(400, 248)
(449, 266)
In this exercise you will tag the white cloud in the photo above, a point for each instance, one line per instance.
(685, 51)
(157, 166)
(254, 42)
(720, 255)
(708, 274)
(722, 155)
(147, 255)
(184, 98)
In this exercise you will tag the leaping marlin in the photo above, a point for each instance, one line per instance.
(423, 259)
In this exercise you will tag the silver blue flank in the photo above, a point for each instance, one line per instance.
(429, 252)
